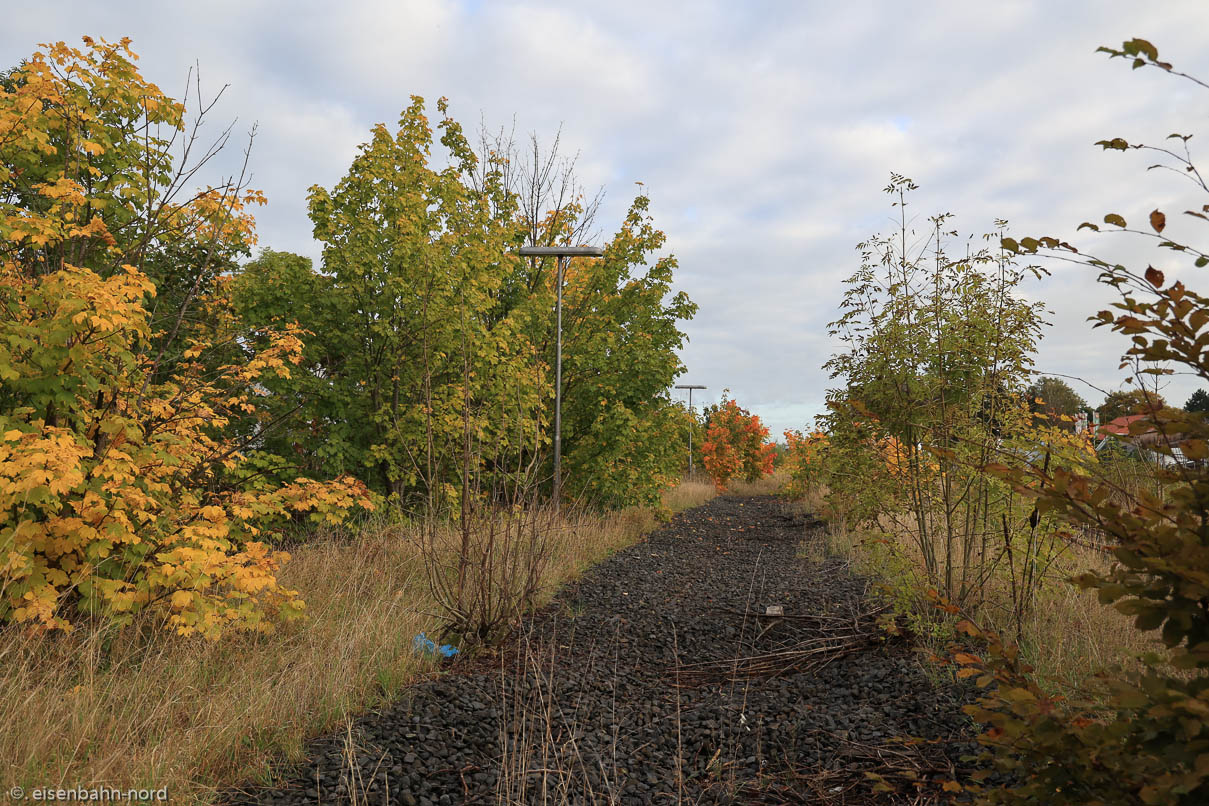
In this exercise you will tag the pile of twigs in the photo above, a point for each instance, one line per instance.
(832, 637)
(807, 656)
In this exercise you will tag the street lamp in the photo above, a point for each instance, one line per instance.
(558, 253)
(690, 387)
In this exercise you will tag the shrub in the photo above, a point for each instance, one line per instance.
(1133, 736)
(120, 482)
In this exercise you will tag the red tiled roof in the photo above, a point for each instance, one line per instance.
(1120, 426)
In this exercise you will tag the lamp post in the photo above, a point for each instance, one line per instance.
(558, 253)
(690, 387)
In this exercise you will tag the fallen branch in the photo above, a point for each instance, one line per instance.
(838, 636)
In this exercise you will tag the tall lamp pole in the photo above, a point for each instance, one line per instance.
(690, 387)
(558, 253)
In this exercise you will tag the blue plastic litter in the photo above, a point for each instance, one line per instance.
(425, 645)
(421, 643)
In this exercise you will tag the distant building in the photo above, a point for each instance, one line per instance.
(1141, 443)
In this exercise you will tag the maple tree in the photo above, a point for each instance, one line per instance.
(624, 438)
(735, 445)
(120, 486)
(417, 259)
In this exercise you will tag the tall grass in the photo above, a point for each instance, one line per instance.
(1065, 633)
(1068, 636)
(136, 707)
(767, 485)
(688, 494)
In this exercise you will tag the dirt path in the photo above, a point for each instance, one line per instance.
(658, 678)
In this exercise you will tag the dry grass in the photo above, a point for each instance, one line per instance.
(541, 759)
(1069, 635)
(813, 499)
(1072, 635)
(188, 714)
(768, 485)
(688, 494)
(138, 708)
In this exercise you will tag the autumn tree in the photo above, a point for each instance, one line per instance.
(622, 432)
(119, 483)
(430, 300)
(735, 446)
(418, 259)
(803, 460)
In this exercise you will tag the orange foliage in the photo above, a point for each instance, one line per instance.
(898, 461)
(735, 447)
(803, 459)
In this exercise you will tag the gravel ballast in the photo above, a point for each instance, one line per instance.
(659, 678)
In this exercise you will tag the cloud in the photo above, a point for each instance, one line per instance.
(764, 132)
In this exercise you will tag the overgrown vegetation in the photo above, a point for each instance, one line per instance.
(937, 359)
(166, 411)
(974, 503)
(173, 409)
(429, 358)
(197, 716)
(124, 483)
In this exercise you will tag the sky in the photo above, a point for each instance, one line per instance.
(763, 132)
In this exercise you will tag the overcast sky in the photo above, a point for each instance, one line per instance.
(763, 132)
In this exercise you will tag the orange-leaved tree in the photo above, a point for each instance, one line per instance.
(120, 477)
(803, 460)
(735, 447)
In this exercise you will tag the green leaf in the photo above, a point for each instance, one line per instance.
(1144, 47)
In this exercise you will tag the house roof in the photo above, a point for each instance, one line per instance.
(1120, 426)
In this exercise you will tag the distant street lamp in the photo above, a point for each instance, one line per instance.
(690, 387)
(558, 253)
